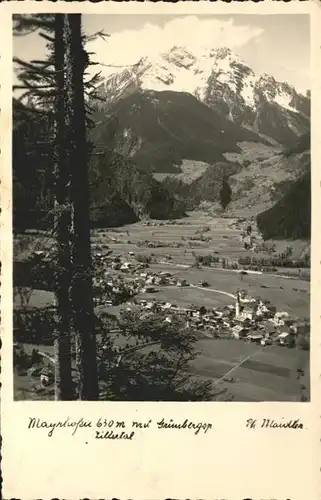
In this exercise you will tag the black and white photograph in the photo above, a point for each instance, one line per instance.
(161, 207)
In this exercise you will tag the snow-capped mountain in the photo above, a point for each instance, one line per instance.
(223, 81)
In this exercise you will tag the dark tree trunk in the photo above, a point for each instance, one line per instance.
(82, 287)
(62, 175)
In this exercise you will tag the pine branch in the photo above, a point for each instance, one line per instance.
(46, 37)
(25, 94)
(94, 80)
(89, 108)
(36, 22)
(32, 67)
(32, 77)
(94, 36)
(45, 64)
(92, 94)
(32, 87)
(21, 27)
(40, 112)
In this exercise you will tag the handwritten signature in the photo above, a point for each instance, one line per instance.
(267, 423)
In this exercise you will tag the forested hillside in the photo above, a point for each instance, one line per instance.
(290, 217)
(120, 192)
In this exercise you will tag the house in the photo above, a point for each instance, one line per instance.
(249, 312)
(238, 331)
(281, 314)
(283, 338)
(39, 253)
(263, 308)
(286, 329)
(182, 283)
(277, 321)
(266, 341)
(255, 337)
(246, 313)
(46, 376)
(161, 280)
(243, 321)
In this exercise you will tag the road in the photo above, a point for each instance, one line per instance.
(248, 271)
(214, 290)
(237, 366)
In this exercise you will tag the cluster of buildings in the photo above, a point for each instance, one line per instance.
(258, 321)
(128, 278)
(249, 319)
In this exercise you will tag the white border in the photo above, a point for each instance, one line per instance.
(231, 462)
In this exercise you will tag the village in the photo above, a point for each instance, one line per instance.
(241, 315)
(247, 318)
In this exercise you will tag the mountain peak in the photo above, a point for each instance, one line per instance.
(220, 79)
(179, 56)
(223, 52)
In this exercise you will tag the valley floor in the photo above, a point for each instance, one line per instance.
(248, 371)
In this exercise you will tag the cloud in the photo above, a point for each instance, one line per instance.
(127, 47)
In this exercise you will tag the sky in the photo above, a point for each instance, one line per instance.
(275, 44)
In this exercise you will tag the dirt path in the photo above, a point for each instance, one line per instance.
(214, 290)
(240, 363)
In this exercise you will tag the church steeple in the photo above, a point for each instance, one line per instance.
(237, 304)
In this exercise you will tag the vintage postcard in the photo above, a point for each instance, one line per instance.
(160, 250)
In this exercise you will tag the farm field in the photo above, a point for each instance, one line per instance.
(224, 238)
(266, 374)
(269, 374)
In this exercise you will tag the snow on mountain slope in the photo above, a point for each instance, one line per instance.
(180, 70)
(221, 80)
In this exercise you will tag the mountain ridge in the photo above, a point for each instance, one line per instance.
(158, 130)
(224, 82)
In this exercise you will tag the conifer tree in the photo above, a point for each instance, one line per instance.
(43, 83)
(76, 61)
(225, 193)
(56, 86)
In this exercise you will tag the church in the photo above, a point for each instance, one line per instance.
(249, 311)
